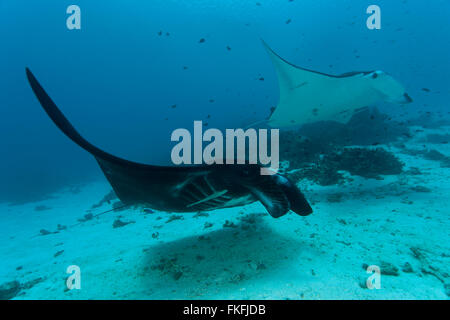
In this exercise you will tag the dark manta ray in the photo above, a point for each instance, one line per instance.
(187, 188)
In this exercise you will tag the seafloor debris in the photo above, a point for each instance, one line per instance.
(44, 232)
(119, 206)
(251, 218)
(420, 189)
(432, 155)
(119, 223)
(207, 225)
(367, 163)
(428, 268)
(174, 217)
(389, 269)
(429, 121)
(438, 138)
(60, 252)
(42, 208)
(106, 199)
(11, 289)
(413, 171)
(386, 268)
(366, 128)
(229, 224)
(335, 197)
(201, 214)
(318, 149)
(320, 174)
(438, 156)
(407, 268)
(169, 267)
(86, 217)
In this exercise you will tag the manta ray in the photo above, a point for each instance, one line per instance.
(310, 96)
(187, 188)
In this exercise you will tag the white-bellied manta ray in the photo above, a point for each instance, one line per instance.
(310, 96)
(186, 188)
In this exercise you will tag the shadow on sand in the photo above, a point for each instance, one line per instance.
(219, 260)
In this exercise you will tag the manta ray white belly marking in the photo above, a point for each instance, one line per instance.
(199, 193)
(214, 196)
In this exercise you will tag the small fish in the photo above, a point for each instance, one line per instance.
(58, 253)
(148, 211)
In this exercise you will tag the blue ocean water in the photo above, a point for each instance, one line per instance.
(138, 70)
(116, 78)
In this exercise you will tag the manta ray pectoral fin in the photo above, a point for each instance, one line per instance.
(133, 182)
(279, 195)
(66, 127)
(308, 96)
(275, 203)
(297, 200)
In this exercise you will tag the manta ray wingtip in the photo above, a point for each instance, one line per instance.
(29, 74)
(266, 45)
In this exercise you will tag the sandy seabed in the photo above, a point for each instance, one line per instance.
(400, 223)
